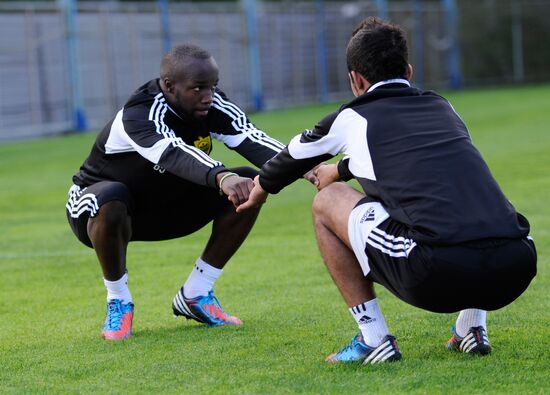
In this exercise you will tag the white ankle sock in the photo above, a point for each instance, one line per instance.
(469, 318)
(201, 280)
(371, 322)
(118, 289)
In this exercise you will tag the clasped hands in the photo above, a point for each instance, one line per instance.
(245, 193)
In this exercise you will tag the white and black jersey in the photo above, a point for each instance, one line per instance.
(148, 144)
(410, 151)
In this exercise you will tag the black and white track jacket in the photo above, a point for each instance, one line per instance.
(148, 140)
(410, 151)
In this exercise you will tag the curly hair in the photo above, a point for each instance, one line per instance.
(378, 51)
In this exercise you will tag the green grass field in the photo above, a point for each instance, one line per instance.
(52, 298)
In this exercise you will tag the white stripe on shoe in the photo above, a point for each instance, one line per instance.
(470, 342)
(179, 304)
(384, 352)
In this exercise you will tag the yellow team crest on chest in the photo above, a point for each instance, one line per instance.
(204, 144)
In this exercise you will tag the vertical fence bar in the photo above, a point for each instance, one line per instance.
(133, 44)
(321, 48)
(418, 43)
(43, 84)
(70, 11)
(106, 41)
(517, 42)
(382, 9)
(32, 68)
(253, 53)
(164, 12)
(453, 58)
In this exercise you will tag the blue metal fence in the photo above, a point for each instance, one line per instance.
(69, 65)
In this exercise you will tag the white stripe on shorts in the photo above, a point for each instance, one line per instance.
(80, 202)
(362, 230)
(397, 247)
(361, 222)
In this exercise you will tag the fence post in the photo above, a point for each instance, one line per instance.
(517, 42)
(70, 11)
(418, 43)
(321, 58)
(253, 54)
(164, 12)
(453, 58)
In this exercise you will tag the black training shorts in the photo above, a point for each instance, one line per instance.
(485, 274)
(157, 213)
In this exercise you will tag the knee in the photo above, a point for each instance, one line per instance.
(111, 216)
(324, 200)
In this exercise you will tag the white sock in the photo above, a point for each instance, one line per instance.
(118, 289)
(469, 318)
(201, 280)
(371, 322)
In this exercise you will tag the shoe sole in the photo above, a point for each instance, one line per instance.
(111, 338)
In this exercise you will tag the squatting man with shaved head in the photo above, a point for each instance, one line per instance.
(150, 176)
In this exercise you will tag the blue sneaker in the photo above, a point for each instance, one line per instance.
(359, 351)
(118, 323)
(205, 309)
(476, 341)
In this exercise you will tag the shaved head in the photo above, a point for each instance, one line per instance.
(177, 61)
(188, 79)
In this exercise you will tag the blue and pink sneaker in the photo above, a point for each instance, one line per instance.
(118, 323)
(205, 309)
(359, 351)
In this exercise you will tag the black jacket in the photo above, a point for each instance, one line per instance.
(148, 145)
(411, 151)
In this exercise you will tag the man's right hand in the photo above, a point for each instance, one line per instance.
(326, 174)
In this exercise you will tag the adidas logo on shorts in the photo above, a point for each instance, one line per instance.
(368, 216)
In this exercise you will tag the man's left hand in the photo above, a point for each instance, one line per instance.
(237, 189)
(256, 198)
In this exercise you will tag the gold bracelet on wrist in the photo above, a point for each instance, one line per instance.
(227, 175)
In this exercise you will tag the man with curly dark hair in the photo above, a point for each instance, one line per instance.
(431, 224)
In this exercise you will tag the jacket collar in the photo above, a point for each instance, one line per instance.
(386, 82)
